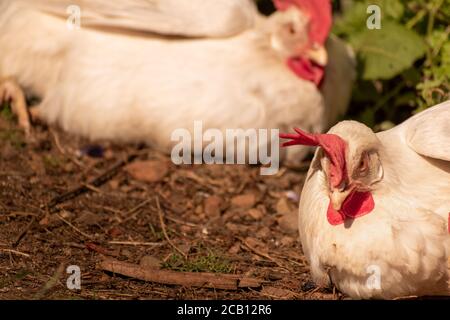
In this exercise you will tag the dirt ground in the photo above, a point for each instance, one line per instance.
(220, 219)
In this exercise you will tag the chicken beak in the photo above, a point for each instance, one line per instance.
(318, 55)
(338, 198)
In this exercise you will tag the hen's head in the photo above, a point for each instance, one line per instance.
(301, 28)
(351, 163)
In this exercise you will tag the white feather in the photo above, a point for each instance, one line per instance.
(195, 18)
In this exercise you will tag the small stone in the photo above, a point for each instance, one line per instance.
(65, 214)
(283, 207)
(287, 241)
(69, 167)
(115, 232)
(109, 154)
(256, 214)
(148, 171)
(255, 243)
(185, 229)
(212, 205)
(114, 184)
(236, 228)
(44, 221)
(245, 201)
(235, 248)
(263, 233)
(198, 210)
(288, 221)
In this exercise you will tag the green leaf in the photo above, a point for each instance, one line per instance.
(391, 8)
(388, 51)
(353, 20)
(445, 54)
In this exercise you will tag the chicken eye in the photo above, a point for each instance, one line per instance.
(291, 29)
(363, 163)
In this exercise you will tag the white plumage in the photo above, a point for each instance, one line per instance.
(138, 69)
(406, 236)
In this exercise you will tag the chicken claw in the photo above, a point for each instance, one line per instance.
(11, 92)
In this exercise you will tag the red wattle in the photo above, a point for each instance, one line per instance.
(307, 70)
(448, 223)
(356, 205)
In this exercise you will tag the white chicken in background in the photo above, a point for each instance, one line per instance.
(138, 69)
(374, 210)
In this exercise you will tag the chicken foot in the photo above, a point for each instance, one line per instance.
(11, 92)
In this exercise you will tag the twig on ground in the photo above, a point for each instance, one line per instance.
(311, 292)
(92, 188)
(163, 227)
(131, 213)
(75, 228)
(24, 232)
(135, 243)
(186, 279)
(189, 224)
(57, 142)
(99, 249)
(26, 255)
(21, 214)
(62, 150)
(260, 253)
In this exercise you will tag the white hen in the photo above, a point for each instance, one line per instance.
(374, 209)
(138, 69)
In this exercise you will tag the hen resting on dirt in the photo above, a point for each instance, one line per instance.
(137, 70)
(378, 205)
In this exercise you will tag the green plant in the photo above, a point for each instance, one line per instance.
(5, 112)
(207, 261)
(404, 67)
(14, 137)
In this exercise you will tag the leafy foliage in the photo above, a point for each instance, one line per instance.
(387, 52)
(404, 66)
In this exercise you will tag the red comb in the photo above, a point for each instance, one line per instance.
(333, 145)
(320, 13)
